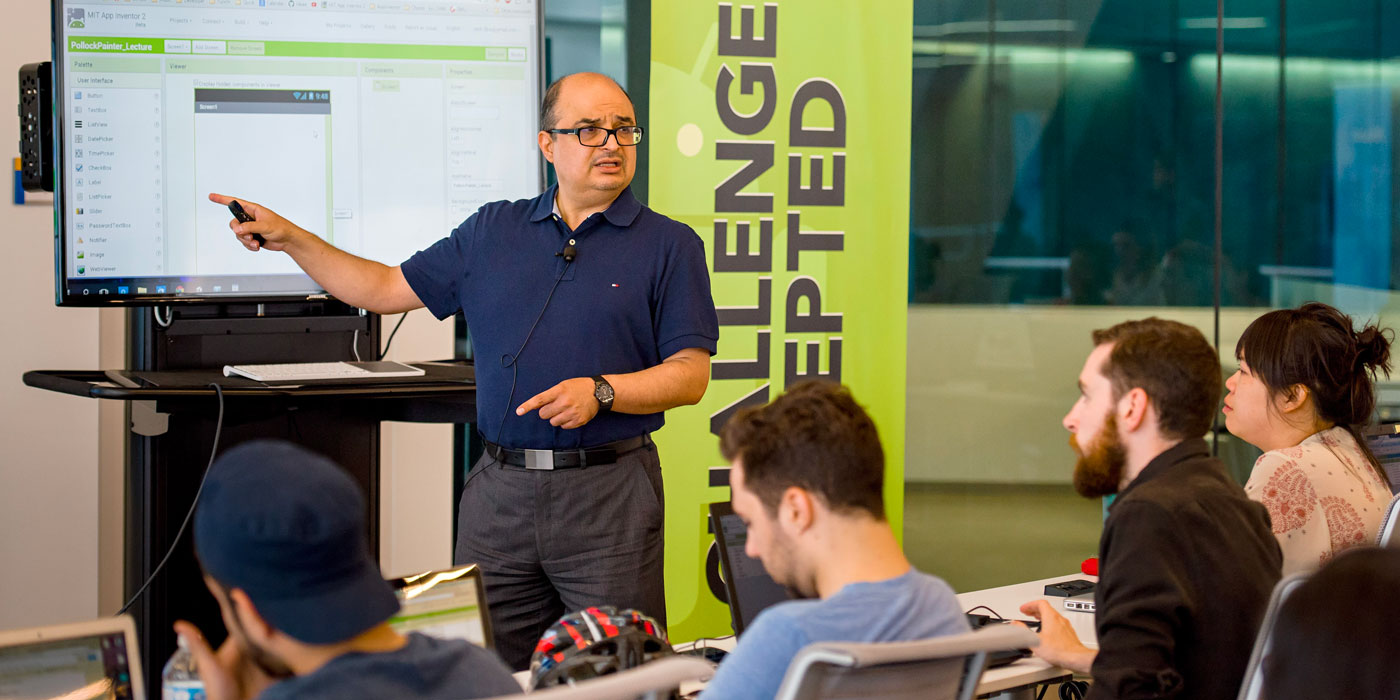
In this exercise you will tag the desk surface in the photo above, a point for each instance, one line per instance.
(1005, 600)
(440, 378)
(445, 394)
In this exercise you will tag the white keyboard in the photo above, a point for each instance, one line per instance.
(312, 371)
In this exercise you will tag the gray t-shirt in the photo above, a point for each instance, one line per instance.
(427, 668)
(904, 608)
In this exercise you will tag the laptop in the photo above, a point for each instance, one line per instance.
(449, 604)
(97, 659)
(749, 587)
(1384, 440)
(1080, 603)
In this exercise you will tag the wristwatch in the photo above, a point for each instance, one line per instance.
(603, 391)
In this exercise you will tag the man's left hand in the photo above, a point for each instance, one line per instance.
(569, 404)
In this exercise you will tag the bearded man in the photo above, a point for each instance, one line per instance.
(1186, 561)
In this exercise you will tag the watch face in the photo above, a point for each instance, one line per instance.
(603, 392)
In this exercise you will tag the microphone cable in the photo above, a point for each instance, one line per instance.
(512, 361)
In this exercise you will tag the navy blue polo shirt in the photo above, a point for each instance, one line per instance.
(637, 292)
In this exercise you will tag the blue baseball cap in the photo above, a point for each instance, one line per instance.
(287, 526)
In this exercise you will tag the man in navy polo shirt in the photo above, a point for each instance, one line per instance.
(591, 315)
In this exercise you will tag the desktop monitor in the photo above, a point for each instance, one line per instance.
(378, 126)
(1384, 440)
(447, 604)
(746, 582)
(97, 659)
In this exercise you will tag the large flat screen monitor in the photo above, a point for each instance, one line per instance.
(377, 125)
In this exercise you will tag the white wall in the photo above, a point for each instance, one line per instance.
(48, 442)
(415, 516)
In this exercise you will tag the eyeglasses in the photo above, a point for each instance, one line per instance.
(595, 136)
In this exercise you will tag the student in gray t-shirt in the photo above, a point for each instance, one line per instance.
(280, 533)
(807, 478)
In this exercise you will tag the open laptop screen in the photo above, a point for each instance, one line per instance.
(1384, 440)
(748, 584)
(93, 665)
(447, 604)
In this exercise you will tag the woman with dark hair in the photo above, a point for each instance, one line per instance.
(1305, 386)
(1335, 635)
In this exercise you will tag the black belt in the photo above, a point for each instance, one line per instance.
(566, 459)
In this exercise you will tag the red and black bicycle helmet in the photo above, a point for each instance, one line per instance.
(595, 642)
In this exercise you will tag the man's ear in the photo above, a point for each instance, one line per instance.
(248, 616)
(1133, 409)
(547, 145)
(796, 510)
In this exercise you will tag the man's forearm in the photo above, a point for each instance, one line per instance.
(678, 381)
(362, 283)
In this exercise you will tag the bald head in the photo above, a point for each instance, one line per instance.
(549, 107)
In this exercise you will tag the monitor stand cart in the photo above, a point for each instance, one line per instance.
(173, 411)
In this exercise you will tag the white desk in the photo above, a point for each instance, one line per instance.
(1011, 682)
(1018, 679)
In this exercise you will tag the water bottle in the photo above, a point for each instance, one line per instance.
(180, 679)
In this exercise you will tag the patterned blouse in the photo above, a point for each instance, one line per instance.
(1323, 497)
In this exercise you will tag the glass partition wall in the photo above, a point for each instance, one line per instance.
(1063, 179)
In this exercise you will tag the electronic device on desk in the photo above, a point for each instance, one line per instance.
(1384, 440)
(1080, 603)
(1066, 589)
(311, 125)
(448, 604)
(301, 372)
(977, 621)
(97, 659)
(747, 583)
(713, 655)
(1004, 657)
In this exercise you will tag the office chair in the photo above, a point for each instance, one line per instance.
(1253, 682)
(652, 681)
(1386, 536)
(943, 668)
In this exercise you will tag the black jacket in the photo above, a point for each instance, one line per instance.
(1187, 564)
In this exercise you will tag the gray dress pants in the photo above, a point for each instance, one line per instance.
(554, 542)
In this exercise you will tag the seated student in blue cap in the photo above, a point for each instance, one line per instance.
(808, 479)
(280, 533)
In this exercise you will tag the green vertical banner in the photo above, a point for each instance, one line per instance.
(780, 133)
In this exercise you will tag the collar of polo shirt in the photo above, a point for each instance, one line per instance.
(622, 212)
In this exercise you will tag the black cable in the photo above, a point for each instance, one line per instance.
(214, 450)
(1041, 694)
(1074, 690)
(390, 341)
(512, 360)
(983, 607)
(691, 646)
